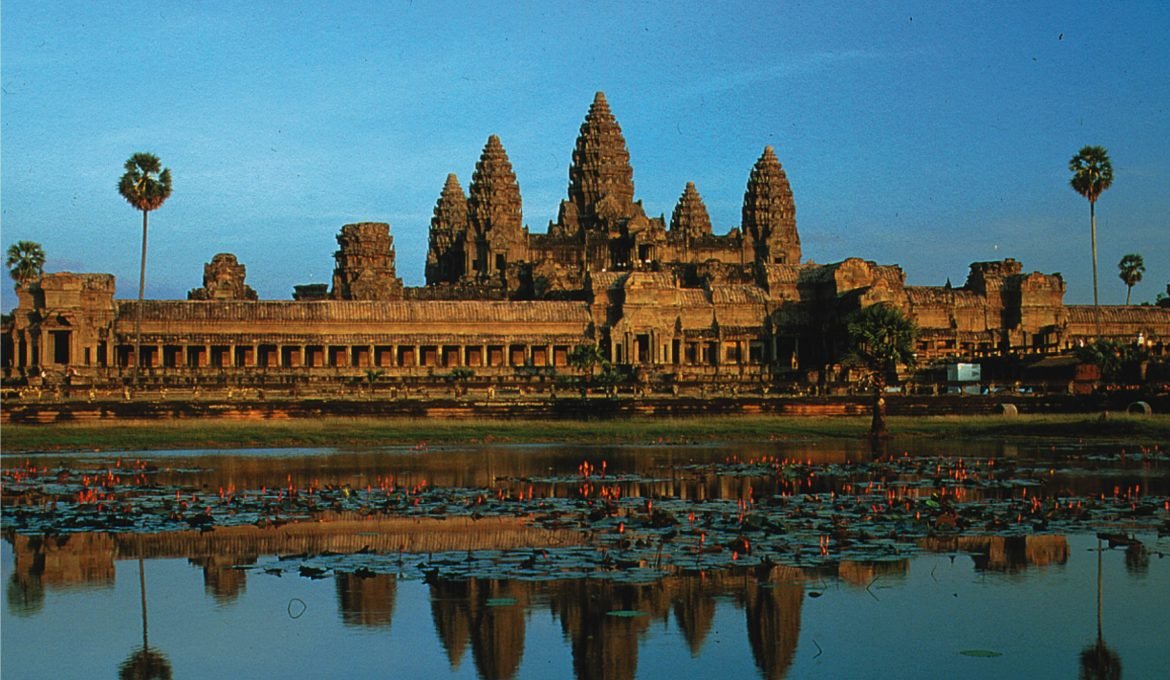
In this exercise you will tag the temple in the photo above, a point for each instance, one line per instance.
(671, 301)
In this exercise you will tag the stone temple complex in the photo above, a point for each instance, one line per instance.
(671, 300)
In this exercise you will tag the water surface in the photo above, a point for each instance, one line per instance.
(360, 595)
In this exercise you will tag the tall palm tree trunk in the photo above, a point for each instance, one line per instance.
(142, 291)
(1093, 237)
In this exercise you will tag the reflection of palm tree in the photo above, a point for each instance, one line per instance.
(25, 595)
(145, 662)
(1098, 660)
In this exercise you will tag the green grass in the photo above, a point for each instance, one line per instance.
(338, 431)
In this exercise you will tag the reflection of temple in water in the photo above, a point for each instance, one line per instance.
(52, 562)
(606, 646)
(489, 613)
(659, 470)
(366, 600)
(488, 616)
(1008, 554)
(772, 605)
(222, 578)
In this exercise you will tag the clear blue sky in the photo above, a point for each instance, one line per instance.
(925, 134)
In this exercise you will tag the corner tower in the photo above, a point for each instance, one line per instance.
(447, 233)
(495, 234)
(769, 214)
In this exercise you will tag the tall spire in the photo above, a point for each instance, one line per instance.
(494, 201)
(601, 164)
(690, 219)
(769, 214)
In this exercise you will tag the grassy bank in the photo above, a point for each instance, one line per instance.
(329, 432)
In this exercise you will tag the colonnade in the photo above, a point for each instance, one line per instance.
(502, 354)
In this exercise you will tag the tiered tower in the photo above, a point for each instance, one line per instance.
(495, 236)
(448, 230)
(769, 214)
(365, 264)
(601, 179)
(690, 220)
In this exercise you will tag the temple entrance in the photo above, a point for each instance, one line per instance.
(60, 341)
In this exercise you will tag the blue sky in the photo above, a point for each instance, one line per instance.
(924, 134)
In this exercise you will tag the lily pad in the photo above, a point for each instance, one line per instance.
(983, 653)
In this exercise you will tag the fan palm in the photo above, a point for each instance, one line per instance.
(1131, 269)
(1092, 175)
(26, 261)
(146, 185)
(880, 338)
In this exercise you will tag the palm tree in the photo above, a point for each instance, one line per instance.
(1092, 175)
(1132, 267)
(26, 261)
(146, 185)
(880, 338)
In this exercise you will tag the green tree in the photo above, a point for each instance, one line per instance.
(1120, 362)
(1092, 175)
(26, 261)
(1131, 269)
(880, 338)
(146, 185)
(586, 358)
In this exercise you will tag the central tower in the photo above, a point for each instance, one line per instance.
(601, 179)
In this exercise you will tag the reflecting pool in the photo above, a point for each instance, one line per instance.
(772, 560)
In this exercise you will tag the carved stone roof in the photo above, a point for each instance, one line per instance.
(937, 296)
(690, 219)
(1135, 315)
(650, 280)
(785, 274)
(769, 213)
(435, 312)
(737, 295)
(604, 280)
(601, 163)
(494, 196)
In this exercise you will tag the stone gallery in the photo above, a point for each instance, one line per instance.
(659, 299)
